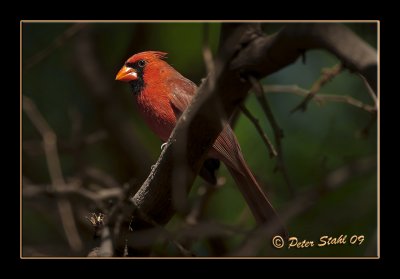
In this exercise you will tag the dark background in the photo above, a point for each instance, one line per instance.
(324, 138)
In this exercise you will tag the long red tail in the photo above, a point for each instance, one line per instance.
(255, 197)
(227, 149)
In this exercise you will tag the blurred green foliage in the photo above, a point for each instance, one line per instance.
(316, 142)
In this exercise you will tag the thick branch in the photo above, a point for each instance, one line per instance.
(269, 54)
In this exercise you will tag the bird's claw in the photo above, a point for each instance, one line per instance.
(163, 145)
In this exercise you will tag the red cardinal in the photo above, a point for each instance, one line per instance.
(162, 94)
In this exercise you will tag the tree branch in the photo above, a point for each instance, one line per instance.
(321, 98)
(269, 54)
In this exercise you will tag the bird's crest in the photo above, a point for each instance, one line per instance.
(147, 55)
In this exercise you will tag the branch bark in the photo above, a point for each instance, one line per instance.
(269, 54)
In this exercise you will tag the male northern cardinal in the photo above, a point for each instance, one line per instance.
(162, 94)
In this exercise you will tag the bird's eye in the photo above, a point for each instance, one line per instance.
(141, 63)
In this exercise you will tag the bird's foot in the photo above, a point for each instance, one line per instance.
(163, 145)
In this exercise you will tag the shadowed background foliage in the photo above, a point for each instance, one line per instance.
(325, 137)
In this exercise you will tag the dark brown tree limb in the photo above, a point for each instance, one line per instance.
(269, 54)
(243, 49)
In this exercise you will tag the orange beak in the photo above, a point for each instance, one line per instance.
(126, 74)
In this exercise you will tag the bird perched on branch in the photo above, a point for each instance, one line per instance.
(162, 94)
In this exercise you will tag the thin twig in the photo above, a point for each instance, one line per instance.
(55, 171)
(319, 99)
(206, 50)
(262, 99)
(278, 132)
(327, 75)
(267, 141)
(57, 42)
(349, 100)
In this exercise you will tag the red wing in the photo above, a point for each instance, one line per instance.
(182, 93)
(226, 144)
